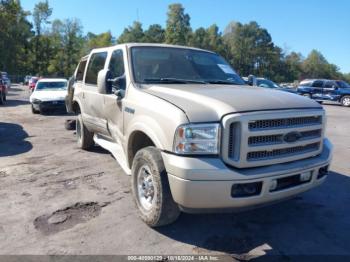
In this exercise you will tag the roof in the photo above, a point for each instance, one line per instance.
(129, 45)
(52, 80)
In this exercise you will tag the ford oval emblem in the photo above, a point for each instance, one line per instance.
(292, 137)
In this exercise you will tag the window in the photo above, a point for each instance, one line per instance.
(329, 84)
(116, 66)
(96, 64)
(317, 83)
(154, 64)
(308, 83)
(81, 70)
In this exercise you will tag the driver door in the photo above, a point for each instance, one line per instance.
(113, 106)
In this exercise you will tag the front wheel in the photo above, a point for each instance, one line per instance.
(85, 138)
(345, 101)
(151, 191)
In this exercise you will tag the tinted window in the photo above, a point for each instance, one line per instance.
(81, 70)
(343, 84)
(266, 83)
(317, 84)
(96, 64)
(329, 84)
(116, 66)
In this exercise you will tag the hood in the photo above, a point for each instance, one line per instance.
(49, 95)
(204, 103)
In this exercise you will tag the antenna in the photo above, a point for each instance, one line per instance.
(137, 15)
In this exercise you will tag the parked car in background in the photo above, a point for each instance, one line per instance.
(3, 92)
(6, 80)
(48, 95)
(326, 90)
(266, 83)
(26, 80)
(32, 82)
(192, 135)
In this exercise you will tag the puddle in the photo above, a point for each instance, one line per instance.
(68, 217)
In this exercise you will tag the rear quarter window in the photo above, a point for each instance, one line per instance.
(81, 70)
(96, 64)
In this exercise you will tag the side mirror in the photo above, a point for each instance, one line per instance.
(102, 83)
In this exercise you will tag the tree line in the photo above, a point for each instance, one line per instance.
(48, 47)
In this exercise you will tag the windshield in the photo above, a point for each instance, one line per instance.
(343, 84)
(180, 65)
(267, 83)
(51, 86)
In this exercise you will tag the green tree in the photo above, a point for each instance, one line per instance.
(293, 63)
(41, 15)
(132, 34)
(178, 26)
(95, 41)
(249, 48)
(154, 34)
(317, 66)
(15, 36)
(68, 42)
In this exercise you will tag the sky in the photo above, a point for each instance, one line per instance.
(294, 25)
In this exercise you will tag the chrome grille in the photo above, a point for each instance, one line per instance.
(277, 153)
(263, 138)
(285, 123)
(278, 139)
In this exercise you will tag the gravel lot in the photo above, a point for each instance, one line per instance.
(57, 199)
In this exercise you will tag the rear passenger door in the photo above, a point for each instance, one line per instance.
(92, 100)
(317, 90)
(330, 91)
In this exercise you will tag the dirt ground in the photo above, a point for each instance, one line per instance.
(57, 199)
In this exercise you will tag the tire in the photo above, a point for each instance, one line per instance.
(5, 99)
(159, 208)
(345, 101)
(34, 111)
(84, 136)
(1, 99)
(70, 124)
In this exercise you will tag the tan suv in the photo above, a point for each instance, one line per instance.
(192, 136)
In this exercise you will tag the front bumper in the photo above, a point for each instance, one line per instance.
(206, 183)
(50, 105)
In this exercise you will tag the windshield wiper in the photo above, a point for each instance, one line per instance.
(170, 80)
(219, 81)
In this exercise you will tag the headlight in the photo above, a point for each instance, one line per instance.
(36, 101)
(197, 139)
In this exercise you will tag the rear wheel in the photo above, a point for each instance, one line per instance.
(84, 136)
(151, 189)
(345, 101)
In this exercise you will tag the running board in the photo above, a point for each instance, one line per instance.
(116, 150)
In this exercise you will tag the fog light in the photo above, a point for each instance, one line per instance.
(322, 172)
(273, 185)
(245, 190)
(305, 176)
